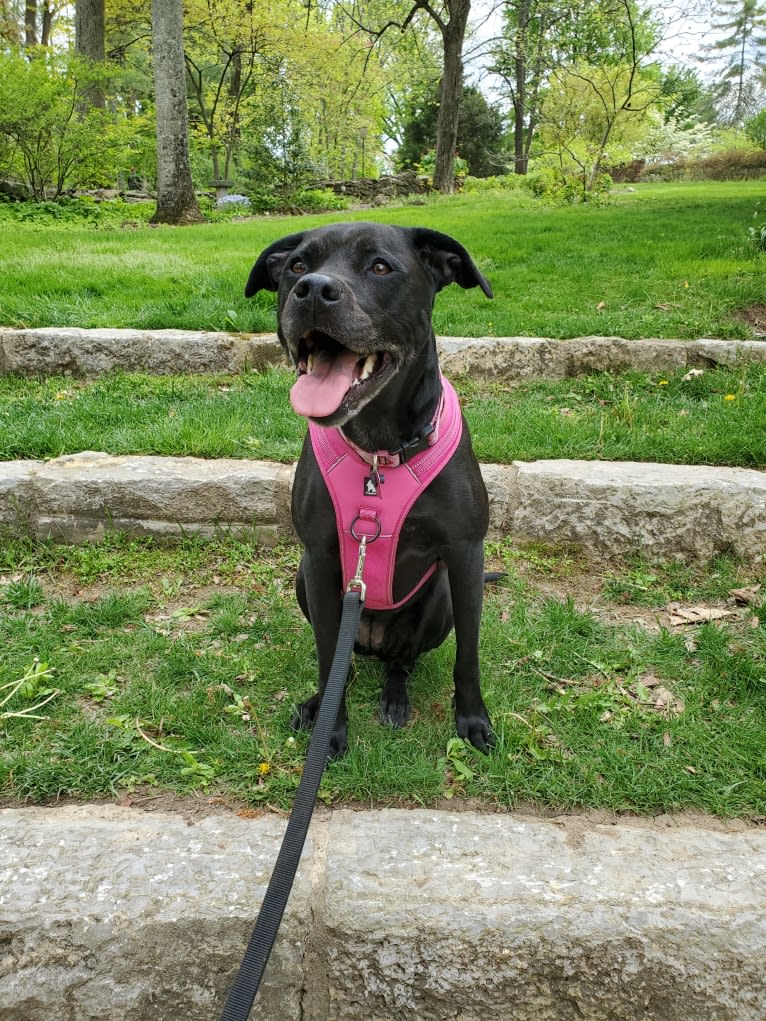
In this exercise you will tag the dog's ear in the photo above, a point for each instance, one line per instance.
(447, 260)
(265, 274)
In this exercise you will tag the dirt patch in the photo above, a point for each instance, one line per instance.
(577, 821)
(755, 317)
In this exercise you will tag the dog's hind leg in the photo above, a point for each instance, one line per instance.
(394, 701)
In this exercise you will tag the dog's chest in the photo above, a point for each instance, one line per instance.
(373, 502)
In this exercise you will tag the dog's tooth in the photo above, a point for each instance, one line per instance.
(310, 363)
(368, 367)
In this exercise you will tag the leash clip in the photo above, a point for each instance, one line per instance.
(356, 584)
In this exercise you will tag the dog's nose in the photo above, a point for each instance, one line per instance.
(316, 287)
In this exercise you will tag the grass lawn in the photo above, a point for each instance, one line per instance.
(127, 667)
(130, 668)
(658, 261)
(715, 418)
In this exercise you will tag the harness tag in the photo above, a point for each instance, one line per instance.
(374, 480)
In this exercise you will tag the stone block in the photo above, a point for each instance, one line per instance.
(121, 916)
(664, 511)
(494, 918)
(80, 495)
(17, 493)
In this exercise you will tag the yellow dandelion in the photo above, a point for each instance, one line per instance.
(264, 769)
(663, 382)
(730, 397)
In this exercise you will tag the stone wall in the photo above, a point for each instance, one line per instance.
(372, 191)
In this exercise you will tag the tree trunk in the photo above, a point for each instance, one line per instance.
(89, 42)
(453, 35)
(48, 13)
(176, 201)
(30, 24)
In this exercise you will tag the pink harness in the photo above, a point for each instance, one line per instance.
(367, 504)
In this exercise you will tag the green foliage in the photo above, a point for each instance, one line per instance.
(755, 129)
(50, 139)
(493, 185)
(727, 165)
(82, 211)
(319, 200)
(756, 233)
(740, 28)
(480, 141)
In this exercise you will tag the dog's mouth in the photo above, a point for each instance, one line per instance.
(334, 381)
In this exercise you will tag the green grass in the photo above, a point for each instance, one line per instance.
(716, 418)
(663, 261)
(175, 668)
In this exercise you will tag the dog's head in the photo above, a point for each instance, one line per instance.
(355, 305)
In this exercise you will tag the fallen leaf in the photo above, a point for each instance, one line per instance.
(649, 681)
(601, 304)
(667, 740)
(745, 596)
(691, 769)
(666, 702)
(693, 374)
(682, 615)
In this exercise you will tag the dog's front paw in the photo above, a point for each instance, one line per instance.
(304, 718)
(395, 711)
(305, 713)
(477, 730)
(394, 703)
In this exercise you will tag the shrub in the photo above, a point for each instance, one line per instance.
(50, 139)
(755, 129)
(485, 185)
(556, 184)
(319, 200)
(79, 211)
(728, 165)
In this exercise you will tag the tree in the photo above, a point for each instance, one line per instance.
(601, 88)
(479, 135)
(222, 47)
(46, 141)
(450, 17)
(38, 23)
(743, 26)
(522, 62)
(90, 40)
(176, 199)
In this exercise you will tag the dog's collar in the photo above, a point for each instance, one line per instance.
(393, 458)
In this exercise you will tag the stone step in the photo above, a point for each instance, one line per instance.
(606, 508)
(76, 352)
(396, 915)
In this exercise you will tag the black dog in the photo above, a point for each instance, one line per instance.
(355, 305)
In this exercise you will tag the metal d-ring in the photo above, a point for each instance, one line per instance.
(368, 538)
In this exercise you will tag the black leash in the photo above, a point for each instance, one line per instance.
(242, 994)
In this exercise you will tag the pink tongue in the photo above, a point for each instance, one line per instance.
(318, 393)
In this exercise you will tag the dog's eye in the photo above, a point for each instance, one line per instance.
(380, 268)
(298, 266)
